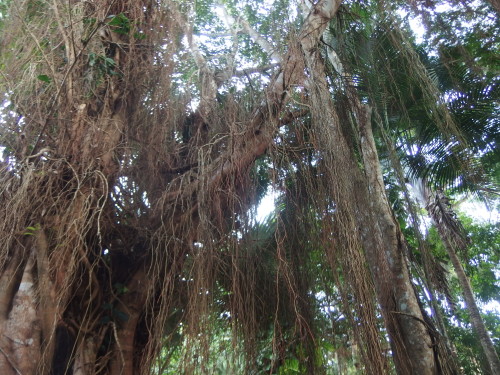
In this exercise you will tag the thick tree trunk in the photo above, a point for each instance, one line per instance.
(381, 237)
(54, 281)
(132, 304)
(21, 331)
(26, 348)
(410, 337)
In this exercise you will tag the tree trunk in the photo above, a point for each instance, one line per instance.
(60, 312)
(381, 237)
(21, 331)
(432, 280)
(411, 341)
(451, 233)
(385, 249)
(475, 316)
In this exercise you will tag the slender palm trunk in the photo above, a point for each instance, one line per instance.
(475, 316)
(449, 229)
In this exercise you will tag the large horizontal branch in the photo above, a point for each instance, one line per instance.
(260, 131)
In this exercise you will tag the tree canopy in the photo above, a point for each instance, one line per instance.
(140, 137)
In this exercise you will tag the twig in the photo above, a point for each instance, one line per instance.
(58, 93)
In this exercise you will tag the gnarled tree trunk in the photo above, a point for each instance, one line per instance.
(60, 311)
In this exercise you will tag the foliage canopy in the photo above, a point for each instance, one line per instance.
(139, 138)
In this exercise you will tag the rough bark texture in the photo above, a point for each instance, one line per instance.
(410, 336)
(383, 241)
(21, 330)
(51, 282)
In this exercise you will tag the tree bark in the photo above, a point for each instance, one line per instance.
(450, 231)
(475, 316)
(410, 337)
(385, 249)
(381, 237)
(21, 333)
(132, 304)
(51, 311)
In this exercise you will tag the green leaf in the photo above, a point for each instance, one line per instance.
(120, 288)
(44, 78)
(109, 61)
(29, 231)
(291, 366)
(89, 21)
(121, 23)
(139, 36)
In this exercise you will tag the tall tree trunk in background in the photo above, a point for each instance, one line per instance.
(434, 277)
(381, 237)
(410, 335)
(453, 237)
(386, 252)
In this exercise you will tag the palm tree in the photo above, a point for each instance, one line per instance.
(453, 154)
(453, 237)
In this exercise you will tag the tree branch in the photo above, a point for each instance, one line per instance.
(254, 35)
(259, 133)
